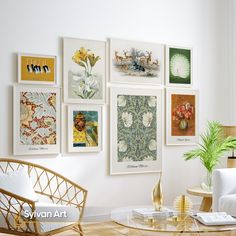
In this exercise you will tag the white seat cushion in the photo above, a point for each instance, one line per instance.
(227, 203)
(19, 183)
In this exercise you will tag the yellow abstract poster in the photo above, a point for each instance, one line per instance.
(36, 69)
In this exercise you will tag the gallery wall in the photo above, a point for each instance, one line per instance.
(31, 26)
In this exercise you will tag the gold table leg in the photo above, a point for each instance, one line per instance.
(206, 204)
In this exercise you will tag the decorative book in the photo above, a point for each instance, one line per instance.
(145, 213)
(215, 218)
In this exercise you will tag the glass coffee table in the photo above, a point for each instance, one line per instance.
(188, 225)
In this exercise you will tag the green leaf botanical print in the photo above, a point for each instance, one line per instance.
(137, 128)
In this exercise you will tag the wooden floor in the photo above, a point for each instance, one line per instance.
(113, 229)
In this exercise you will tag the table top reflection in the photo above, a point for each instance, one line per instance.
(184, 224)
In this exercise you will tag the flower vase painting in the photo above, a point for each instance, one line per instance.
(182, 122)
(183, 115)
(135, 130)
(136, 62)
(84, 71)
(36, 120)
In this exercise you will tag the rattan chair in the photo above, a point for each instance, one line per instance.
(55, 187)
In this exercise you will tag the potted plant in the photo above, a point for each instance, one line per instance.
(212, 147)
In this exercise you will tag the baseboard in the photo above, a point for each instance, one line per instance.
(97, 214)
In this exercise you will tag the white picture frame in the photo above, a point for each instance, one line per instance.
(36, 120)
(83, 81)
(182, 125)
(135, 62)
(93, 132)
(179, 66)
(37, 69)
(124, 123)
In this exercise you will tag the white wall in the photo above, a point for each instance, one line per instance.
(32, 26)
(232, 64)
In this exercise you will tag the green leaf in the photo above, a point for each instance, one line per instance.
(212, 147)
(91, 94)
(82, 64)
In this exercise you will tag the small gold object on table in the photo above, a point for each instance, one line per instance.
(153, 226)
(150, 220)
(157, 196)
(183, 205)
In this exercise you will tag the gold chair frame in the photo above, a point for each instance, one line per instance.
(55, 187)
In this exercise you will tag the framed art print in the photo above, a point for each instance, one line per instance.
(179, 66)
(136, 62)
(136, 130)
(181, 117)
(36, 120)
(84, 128)
(36, 69)
(84, 71)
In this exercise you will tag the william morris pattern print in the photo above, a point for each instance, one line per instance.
(37, 118)
(137, 129)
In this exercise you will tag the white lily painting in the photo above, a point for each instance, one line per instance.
(84, 71)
